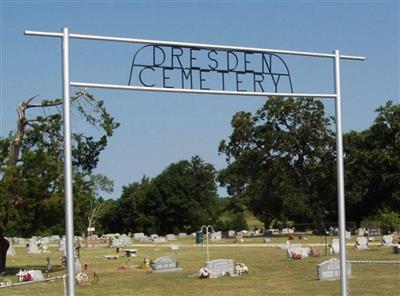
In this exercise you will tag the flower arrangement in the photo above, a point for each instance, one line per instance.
(204, 273)
(296, 255)
(146, 263)
(82, 278)
(241, 268)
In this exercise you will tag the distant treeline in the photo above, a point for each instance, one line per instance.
(281, 167)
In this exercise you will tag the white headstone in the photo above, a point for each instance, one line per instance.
(216, 235)
(334, 247)
(170, 237)
(387, 240)
(361, 243)
(33, 247)
(220, 267)
(301, 252)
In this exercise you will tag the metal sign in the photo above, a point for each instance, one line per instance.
(168, 58)
(206, 69)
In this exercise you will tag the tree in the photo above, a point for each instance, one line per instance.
(181, 198)
(31, 167)
(372, 159)
(281, 161)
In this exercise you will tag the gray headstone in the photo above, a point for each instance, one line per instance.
(220, 267)
(165, 264)
(330, 270)
(374, 232)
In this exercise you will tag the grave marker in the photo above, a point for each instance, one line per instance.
(165, 264)
(220, 267)
(330, 270)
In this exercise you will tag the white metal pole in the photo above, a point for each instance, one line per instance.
(69, 209)
(340, 177)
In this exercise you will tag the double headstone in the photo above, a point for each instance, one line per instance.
(330, 270)
(216, 235)
(165, 264)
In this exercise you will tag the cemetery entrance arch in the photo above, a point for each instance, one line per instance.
(193, 80)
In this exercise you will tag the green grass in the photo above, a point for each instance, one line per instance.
(270, 273)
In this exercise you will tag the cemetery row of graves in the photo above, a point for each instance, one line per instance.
(140, 264)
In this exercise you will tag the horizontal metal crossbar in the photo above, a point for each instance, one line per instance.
(194, 45)
(198, 91)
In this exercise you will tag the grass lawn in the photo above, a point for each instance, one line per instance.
(270, 273)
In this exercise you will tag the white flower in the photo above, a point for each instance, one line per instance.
(204, 272)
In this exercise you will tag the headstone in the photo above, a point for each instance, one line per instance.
(11, 249)
(138, 235)
(348, 235)
(268, 233)
(220, 267)
(330, 270)
(36, 275)
(287, 231)
(182, 234)
(77, 264)
(216, 235)
(170, 237)
(165, 264)
(117, 243)
(361, 231)
(45, 240)
(267, 240)
(130, 252)
(297, 252)
(145, 239)
(153, 236)
(159, 239)
(54, 238)
(387, 240)
(33, 247)
(334, 247)
(374, 232)
(361, 243)
(231, 233)
(62, 245)
(334, 231)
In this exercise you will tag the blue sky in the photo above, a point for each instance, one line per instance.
(156, 128)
